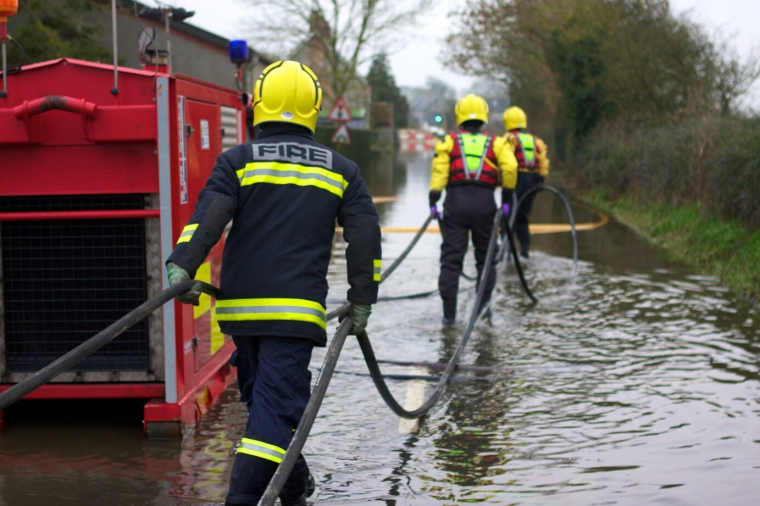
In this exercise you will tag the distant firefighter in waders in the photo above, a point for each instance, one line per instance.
(285, 192)
(532, 166)
(469, 164)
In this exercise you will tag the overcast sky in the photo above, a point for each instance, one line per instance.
(423, 54)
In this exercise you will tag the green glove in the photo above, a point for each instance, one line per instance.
(177, 275)
(359, 313)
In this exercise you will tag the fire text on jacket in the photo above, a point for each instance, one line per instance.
(292, 152)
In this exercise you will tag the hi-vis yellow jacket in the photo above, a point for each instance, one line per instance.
(504, 155)
(524, 152)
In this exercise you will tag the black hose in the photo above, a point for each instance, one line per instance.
(272, 491)
(374, 368)
(510, 240)
(96, 342)
(437, 366)
(423, 377)
(409, 248)
(571, 218)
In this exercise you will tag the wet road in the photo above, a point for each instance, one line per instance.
(636, 383)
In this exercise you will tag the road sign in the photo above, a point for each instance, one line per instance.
(340, 111)
(341, 135)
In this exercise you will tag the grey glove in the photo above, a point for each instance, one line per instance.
(359, 313)
(177, 275)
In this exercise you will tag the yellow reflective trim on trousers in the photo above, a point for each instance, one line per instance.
(259, 454)
(261, 450)
(263, 444)
(291, 173)
(187, 233)
(377, 264)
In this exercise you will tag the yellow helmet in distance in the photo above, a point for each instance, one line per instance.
(287, 92)
(515, 118)
(471, 107)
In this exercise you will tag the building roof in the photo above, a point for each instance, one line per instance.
(193, 31)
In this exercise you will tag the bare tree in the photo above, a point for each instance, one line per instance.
(345, 32)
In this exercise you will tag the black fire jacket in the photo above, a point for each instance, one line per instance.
(283, 193)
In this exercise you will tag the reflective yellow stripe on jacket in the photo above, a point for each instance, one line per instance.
(261, 450)
(271, 309)
(291, 173)
(187, 233)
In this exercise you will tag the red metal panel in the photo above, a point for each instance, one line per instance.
(79, 215)
(123, 123)
(96, 391)
(12, 131)
(78, 170)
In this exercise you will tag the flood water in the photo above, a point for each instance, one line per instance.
(635, 383)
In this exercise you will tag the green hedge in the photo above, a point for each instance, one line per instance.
(713, 163)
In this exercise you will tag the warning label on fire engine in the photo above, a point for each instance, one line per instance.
(205, 142)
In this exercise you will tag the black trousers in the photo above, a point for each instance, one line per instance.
(274, 379)
(525, 181)
(468, 208)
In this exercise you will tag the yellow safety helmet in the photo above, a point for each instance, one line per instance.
(514, 118)
(471, 107)
(287, 92)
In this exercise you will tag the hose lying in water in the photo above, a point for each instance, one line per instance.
(510, 240)
(424, 377)
(571, 218)
(438, 366)
(374, 368)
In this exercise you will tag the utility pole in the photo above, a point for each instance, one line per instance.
(167, 11)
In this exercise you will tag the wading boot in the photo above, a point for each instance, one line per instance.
(298, 488)
(449, 312)
(524, 254)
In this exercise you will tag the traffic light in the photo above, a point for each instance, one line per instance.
(438, 118)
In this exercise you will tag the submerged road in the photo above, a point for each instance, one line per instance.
(635, 383)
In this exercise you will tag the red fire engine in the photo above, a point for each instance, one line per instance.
(95, 187)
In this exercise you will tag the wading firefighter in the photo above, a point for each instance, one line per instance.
(284, 191)
(469, 164)
(532, 166)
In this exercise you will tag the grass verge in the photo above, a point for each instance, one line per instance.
(722, 248)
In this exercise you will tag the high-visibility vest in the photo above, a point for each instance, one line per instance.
(525, 152)
(473, 159)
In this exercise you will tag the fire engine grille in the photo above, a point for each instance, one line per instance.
(64, 281)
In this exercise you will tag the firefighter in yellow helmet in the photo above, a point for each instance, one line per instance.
(469, 164)
(532, 166)
(286, 192)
